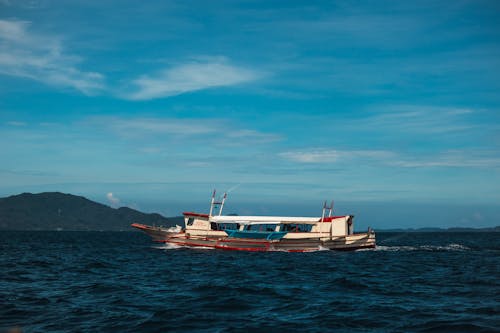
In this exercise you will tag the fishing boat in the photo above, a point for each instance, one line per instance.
(267, 233)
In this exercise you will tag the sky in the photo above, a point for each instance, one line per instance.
(390, 108)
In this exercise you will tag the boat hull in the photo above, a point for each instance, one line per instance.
(195, 242)
(344, 243)
(336, 243)
(158, 234)
(351, 242)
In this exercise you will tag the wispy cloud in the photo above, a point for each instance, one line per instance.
(420, 118)
(41, 57)
(454, 158)
(252, 136)
(450, 158)
(331, 156)
(172, 126)
(192, 76)
(221, 132)
(16, 123)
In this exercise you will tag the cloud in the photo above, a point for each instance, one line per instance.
(252, 136)
(162, 126)
(451, 158)
(420, 119)
(112, 199)
(454, 158)
(16, 123)
(190, 77)
(41, 58)
(217, 131)
(154, 128)
(316, 155)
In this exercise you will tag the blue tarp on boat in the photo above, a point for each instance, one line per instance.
(269, 235)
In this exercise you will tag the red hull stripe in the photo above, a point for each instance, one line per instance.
(330, 218)
(189, 244)
(141, 226)
(259, 249)
(237, 240)
(195, 214)
(250, 249)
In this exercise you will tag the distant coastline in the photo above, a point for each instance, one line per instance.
(66, 212)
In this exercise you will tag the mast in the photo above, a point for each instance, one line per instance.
(324, 210)
(330, 212)
(212, 204)
(321, 221)
(222, 203)
(219, 204)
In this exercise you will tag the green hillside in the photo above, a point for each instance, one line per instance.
(59, 211)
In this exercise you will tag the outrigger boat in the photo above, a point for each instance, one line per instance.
(264, 233)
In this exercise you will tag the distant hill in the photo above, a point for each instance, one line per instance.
(59, 211)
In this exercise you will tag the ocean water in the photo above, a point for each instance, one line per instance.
(122, 282)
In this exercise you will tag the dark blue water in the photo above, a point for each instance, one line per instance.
(121, 282)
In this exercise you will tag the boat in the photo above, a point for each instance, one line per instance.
(264, 233)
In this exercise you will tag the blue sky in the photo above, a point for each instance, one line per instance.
(385, 106)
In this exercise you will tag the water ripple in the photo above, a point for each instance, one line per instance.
(68, 282)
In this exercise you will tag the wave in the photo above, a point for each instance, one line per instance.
(167, 246)
(175, 229)
(170, 246)
(448, 247)
(431, 248)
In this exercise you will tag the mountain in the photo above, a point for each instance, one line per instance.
(59, 211)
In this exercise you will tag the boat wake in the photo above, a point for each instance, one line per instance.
(448, 247)
(319, 248)
(170, 246)
(175, 229)
(167, 246)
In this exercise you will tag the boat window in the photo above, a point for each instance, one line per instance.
(213, 226)
(293, 227)
(229, 226)
(190, 221)
(261, 227)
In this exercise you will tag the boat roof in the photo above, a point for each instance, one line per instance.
(266, 219)
(252, 219)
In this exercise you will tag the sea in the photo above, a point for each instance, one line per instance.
(122, 282)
